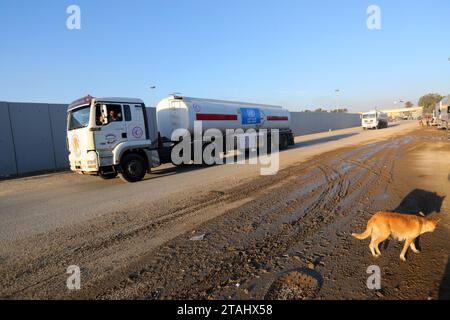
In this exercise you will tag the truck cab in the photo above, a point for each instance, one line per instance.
(112, 136)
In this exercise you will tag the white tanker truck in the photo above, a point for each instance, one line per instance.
(121, 136)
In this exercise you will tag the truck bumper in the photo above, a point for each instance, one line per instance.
(84, 166)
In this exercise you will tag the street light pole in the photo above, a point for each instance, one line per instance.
(337, 98)
(400, 101)
(152, 88)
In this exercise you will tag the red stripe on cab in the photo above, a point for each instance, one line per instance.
(216, 117)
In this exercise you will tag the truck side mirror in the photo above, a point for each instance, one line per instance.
(105, 114)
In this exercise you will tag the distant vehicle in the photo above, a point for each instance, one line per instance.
(121, 136)
(442, 113)
(374, 120)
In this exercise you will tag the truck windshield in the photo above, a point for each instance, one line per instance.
(79, 118)
(368, 116)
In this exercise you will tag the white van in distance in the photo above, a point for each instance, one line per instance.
(374, 120)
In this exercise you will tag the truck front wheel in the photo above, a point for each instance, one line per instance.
(133, 168)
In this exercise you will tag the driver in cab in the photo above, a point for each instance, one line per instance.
(113, 116)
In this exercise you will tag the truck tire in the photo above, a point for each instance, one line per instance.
(108, 176)
(284, 143)
(133, 168)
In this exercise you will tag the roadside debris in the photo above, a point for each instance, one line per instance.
(198, 238)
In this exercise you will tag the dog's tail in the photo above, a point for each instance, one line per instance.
(365, 234)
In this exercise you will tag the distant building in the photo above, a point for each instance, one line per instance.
(413, 112)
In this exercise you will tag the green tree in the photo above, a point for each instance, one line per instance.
(429, 101)
(409, 104)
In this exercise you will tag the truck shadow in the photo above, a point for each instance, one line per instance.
(170, 170)
(323, 140)
(416, 201)
(163, 172)
(444, 289)
(173, 169)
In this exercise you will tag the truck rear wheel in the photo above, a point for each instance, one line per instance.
(284, 143)
(133, 168)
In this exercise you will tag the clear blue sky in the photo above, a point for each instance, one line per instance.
(294, 53)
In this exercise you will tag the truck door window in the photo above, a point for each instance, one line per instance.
(98, 115)
(127, 112)
(114, 112)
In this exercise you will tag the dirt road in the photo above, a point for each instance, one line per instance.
(282, 236)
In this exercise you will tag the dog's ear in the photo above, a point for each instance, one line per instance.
(422, 214)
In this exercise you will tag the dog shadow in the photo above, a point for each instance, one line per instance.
(416, 201)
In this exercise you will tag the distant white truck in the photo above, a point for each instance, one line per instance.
(121, 136)
(374, 120)
(442, 113)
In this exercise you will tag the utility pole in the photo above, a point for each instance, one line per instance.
(337, 91)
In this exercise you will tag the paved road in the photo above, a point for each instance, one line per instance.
(40, 204)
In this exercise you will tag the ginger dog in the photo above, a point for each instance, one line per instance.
(400, 226)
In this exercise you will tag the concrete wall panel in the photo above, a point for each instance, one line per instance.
(58, 118)
(313, 122)
(7, 156)
(32, 137)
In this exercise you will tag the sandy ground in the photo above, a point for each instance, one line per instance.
(285, 236)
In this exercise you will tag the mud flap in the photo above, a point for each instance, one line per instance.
(153, 159)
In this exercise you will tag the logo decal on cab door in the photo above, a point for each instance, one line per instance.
(137, 132)
(110, 138)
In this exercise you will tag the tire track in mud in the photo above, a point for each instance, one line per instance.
(289, 219)
(26, 274)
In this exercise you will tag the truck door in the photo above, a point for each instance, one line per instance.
(112, 132)
(134, 121)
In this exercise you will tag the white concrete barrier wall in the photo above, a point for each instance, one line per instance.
(313, 122)
(32, 138)
(33, 135)
(7, 153)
